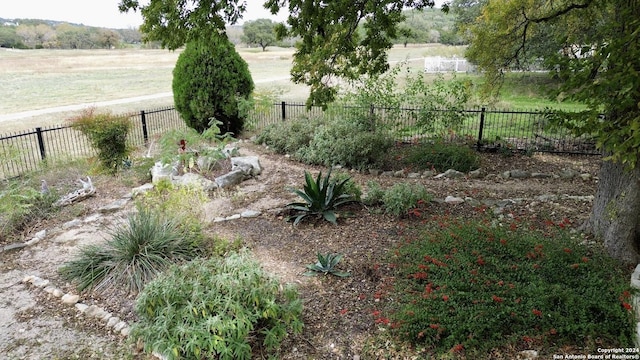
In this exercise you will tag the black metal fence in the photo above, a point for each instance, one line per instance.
(27, 151)
(484, 128)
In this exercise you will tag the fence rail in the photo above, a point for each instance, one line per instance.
(521, 130)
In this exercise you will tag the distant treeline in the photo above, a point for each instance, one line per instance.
(49, 34)
(427, 26)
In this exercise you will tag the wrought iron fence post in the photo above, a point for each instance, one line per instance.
(479, 144)
(145, 132)
(283, 105)
(43, 155)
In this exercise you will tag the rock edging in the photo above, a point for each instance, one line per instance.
(110, 321)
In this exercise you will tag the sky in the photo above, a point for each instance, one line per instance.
(100, 13)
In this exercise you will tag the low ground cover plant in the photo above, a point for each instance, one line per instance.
(467, 287)
(326, 264)
(220, 308)
(401, 199)
(437, 154)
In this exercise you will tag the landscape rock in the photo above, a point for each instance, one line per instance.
(57, 293)
(233, 217)
(387, 173)
(250, 165)
(450, 174)
(230, 179)
(413, 175)
(506, 174)
(453, 200)
(125, 331)
(568, 174)
(586, 177)
(519, 174)
(70, 299)
(194, 180)
(72, 223)
(142, 189)
(374, 172)
(40, 283)
(250, 214)
(475, 174)
(119, 326)
(40, 234)
(82, 307)
(113, 321)
(428, 173)
(13, 247)
(113, 207)
(399, 174)
(537, 175)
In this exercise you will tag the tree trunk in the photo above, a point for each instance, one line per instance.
(616, 212)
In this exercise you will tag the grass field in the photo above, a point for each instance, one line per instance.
(42, 79)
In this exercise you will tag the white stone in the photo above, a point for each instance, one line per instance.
(230, 179)
(41, 234)
(70, 299)
(82, 307)
(71, 224)
(125, 331)
(453, 200)
(233, 217)
(107, 316)
(37, 282)
(250, 214)
(28, 279)
(195, 180)
(49, 289)
(119, 326)
(33, 241)
(113, 321)
(219, 219)
(57, 293)
(92, 310)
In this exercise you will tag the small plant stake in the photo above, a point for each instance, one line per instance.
(326, 265)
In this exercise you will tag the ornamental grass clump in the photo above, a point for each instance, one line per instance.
(468, 287)
(146, 245)
(219, 308)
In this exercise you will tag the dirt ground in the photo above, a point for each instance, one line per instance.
(337, 311)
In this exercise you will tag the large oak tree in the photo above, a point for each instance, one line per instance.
(597, 58)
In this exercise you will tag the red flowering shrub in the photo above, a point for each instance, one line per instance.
(460, 289)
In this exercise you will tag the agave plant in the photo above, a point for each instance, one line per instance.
(321, 197)
(326, 264)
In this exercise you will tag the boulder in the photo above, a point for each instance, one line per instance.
(232, 178)
(194, 180)
(250, 165)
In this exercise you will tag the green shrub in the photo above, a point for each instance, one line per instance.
(212, 81)
(321, 196)
(471, 287)
(183, 203)
(289, 137)
(21, 205)
(402, 197)
(216, 309)
(439, 155)
(137, 252)
(347, 143)
(107, 133)
(375, 193)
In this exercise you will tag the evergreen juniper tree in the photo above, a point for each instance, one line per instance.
(211, 81)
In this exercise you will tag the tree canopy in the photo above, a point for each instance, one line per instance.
(330, 45)
(592, 46)
(260, 32)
